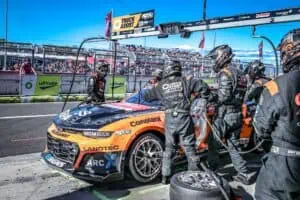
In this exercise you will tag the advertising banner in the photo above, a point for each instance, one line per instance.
(47, 85)
(28, 84)
(132, 23)
(119, 85)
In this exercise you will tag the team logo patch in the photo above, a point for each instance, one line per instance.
(297, 99)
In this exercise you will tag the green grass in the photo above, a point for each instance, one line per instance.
(34, 99)
(42, 99)
(10, 100)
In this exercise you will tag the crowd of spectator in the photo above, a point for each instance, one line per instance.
(131, 60)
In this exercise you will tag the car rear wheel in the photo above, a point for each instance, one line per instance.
(196, 185)
(145, 158)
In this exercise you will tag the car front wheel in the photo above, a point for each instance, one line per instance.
(145, 158)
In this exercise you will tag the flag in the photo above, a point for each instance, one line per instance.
(202, 42)
(260, 49)
(108, 19)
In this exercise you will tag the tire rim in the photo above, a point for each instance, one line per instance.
(147, 158)
(199, 180)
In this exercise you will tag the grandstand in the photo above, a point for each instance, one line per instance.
(131, 59)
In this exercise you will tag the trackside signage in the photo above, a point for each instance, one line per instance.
(28, 82)
(133, 23)
(47, 85)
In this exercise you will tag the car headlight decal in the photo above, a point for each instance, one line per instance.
(97, 134)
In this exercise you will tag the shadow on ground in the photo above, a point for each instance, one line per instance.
(129, 189)
(107, 191)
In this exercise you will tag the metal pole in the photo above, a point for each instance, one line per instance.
(44, 60)
(6, 36)
(114, 69)
(215, 38)
(204, 10)
(95, 61)
(76, 65)
(271, 43)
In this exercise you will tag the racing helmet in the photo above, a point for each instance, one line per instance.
(173, 68)
(102, 70)
(221, 55)
(256, 69)
(289, 48)
(158, 74)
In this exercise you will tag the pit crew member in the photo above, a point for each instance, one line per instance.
(175, 92)
(278, 117)
(227, 123)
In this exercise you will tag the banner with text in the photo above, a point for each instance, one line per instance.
(119, 85)
(47, 85)
(133, 23)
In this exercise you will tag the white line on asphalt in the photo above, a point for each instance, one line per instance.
(27, 116)
(27, 139)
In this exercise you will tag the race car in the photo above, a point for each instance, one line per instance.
(105, 142)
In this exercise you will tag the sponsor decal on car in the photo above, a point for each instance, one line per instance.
(58, 133)
(54, 161)
(102, 148)
(95, 163)
(145, 121)
(101, 163)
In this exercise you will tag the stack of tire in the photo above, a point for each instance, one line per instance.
(196, 185)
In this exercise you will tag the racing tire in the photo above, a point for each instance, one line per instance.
(145, 158)
(196, 185)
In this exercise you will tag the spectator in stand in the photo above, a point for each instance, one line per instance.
(26, 67)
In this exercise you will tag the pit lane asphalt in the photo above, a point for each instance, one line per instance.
(23, 126)
(27, 177)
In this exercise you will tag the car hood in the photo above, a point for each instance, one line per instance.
(95, 117)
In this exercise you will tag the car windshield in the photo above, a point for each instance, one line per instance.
(138, 99)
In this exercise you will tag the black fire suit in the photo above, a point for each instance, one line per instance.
(96, 89)
(255, 89)
(278, 117)
(227, 123)
(174, 93)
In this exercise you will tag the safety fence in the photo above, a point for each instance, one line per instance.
(14, 83)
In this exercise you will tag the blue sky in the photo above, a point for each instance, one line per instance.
(67, 22)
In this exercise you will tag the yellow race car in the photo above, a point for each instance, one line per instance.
(103, 143)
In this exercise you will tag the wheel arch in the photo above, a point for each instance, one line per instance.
(155, 130)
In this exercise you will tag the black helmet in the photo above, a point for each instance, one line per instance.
(173, 68)
(102, 70)
(290, 50)
(222, 55)
(158, 74)
(256, 69)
